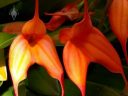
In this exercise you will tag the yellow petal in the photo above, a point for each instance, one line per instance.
(45, 54)
(3, 71)
(19, 60)
(76, 64)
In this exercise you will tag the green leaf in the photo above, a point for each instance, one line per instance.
(4, 3)
(6, 39)
(1, 83)
(9, 92)
(3, 71)
(1, 27)
(126, 70)
(95, 89)
(101, 75)
(71, 89)
(24, 91)
(40, 82)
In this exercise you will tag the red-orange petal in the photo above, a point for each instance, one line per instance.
(55, 22)
(45, 54)
(65, 35)
(19, 61)
(102, 52)
(76, 64)
(94, 44)
(118, 16)
(34, 26)
(70, 12)
(76, 33)
(13, 28)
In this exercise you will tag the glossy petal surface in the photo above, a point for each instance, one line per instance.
(19, 60)
(118, 16)
(76, 64)
(102, 52)
(45, 55)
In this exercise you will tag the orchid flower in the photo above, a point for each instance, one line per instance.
(33, 45)
(84, 43)
(118, 16)
(69, 12)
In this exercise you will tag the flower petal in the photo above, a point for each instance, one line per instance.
(78, 32)
(19, 60)
(76, 64)
(90, 42)
(65, 35)
(118, 16)
(55, 22)
(102, 52)
(45, 55)
(3, 73)
(70, 12)
(3, 70)
(13, 28)
(34, 26)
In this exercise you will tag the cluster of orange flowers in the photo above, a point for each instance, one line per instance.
(83, 43)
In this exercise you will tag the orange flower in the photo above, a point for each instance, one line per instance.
(33, 45)
(85, 44)
(70, 12)
(118, 16)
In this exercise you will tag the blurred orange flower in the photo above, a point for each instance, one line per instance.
(33, 45)
(84, 43)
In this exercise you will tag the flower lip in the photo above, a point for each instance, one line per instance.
(33, 30)
(32, 39)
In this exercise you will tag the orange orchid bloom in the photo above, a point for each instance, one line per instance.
(118, 16)
(33, 45)
(69, 12)
(85, 44)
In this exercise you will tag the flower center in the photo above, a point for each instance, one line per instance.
(32, 39)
